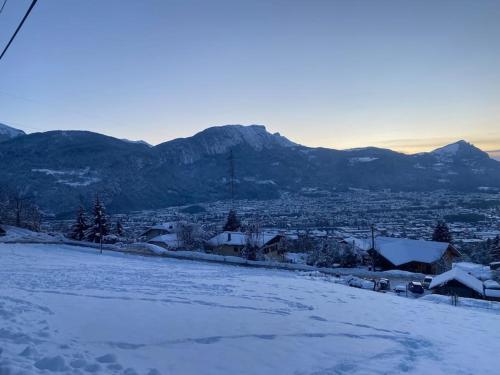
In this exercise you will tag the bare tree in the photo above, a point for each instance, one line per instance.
(18, 208)
(186, 235)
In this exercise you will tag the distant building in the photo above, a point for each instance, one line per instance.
(428, 257)
(232, 243)
(169, 241)
(173, 235)
(159, 229)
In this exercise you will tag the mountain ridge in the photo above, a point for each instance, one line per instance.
(59, 168)
(14, 132)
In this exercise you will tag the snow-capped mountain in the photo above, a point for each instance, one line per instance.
(460, 149)
(140, 141)
(220, 139)
(7, 132)
(59, 167)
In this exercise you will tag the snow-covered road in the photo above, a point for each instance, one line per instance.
(72, 310)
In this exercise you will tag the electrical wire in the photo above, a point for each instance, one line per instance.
(18, 27)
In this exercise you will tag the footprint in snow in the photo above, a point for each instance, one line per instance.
(106, 358)
(154, 371)
(78, 363)
(28, 352)
(130, 371)
(115, 366)
(319, 318)
(56, 363)
(93, 367)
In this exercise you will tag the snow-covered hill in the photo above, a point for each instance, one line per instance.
(71, 310)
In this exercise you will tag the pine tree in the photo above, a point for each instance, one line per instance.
(99, 227)
(80, 226)
(119, 231)
(348, 257)
(442, 233)
(495, 249)
(232, 223)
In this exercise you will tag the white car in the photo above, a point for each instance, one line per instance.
(427, 281)
(401, 288)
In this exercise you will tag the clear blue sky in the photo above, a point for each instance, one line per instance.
(409, 75)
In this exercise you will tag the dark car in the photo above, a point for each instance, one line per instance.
(415, 287)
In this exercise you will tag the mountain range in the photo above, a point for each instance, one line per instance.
(62, 168)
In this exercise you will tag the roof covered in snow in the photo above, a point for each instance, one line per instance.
(170, 239)
(169, 227)
(400, 251)
(460, 276)
(241, 239)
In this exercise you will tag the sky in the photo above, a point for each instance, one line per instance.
(405, 75)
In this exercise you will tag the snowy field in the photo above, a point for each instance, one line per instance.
(71, 310)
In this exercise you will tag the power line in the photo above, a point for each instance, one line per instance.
(3, 5)
(18, 27)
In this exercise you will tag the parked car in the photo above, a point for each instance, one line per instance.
(384, 284)
(358, 282)
(400, 289)
(415, 287)
(355, 282)
(427, 281)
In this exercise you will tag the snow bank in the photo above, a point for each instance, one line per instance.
(15, 234)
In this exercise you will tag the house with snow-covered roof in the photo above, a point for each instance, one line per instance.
(233, 243)
(169, 241)
(159, 230)
(457, 282)
(428, 257)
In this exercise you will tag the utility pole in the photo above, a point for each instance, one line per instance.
(231, 177)
(373, 247)
(100, 233)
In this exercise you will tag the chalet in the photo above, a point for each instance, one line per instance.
(429, 257)
(233, 243)
(159, 230)
(457, 282)
(169, 241)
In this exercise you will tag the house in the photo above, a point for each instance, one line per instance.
(169, 241)
(227, 243)
(457, 282)
(173, 235)
(429, 257)
(159, 229)
(233, 243)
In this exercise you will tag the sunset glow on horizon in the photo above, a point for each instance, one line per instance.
(408, 76)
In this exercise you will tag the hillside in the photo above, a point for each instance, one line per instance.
(59, 168)
(7, 132)
(70, 310)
